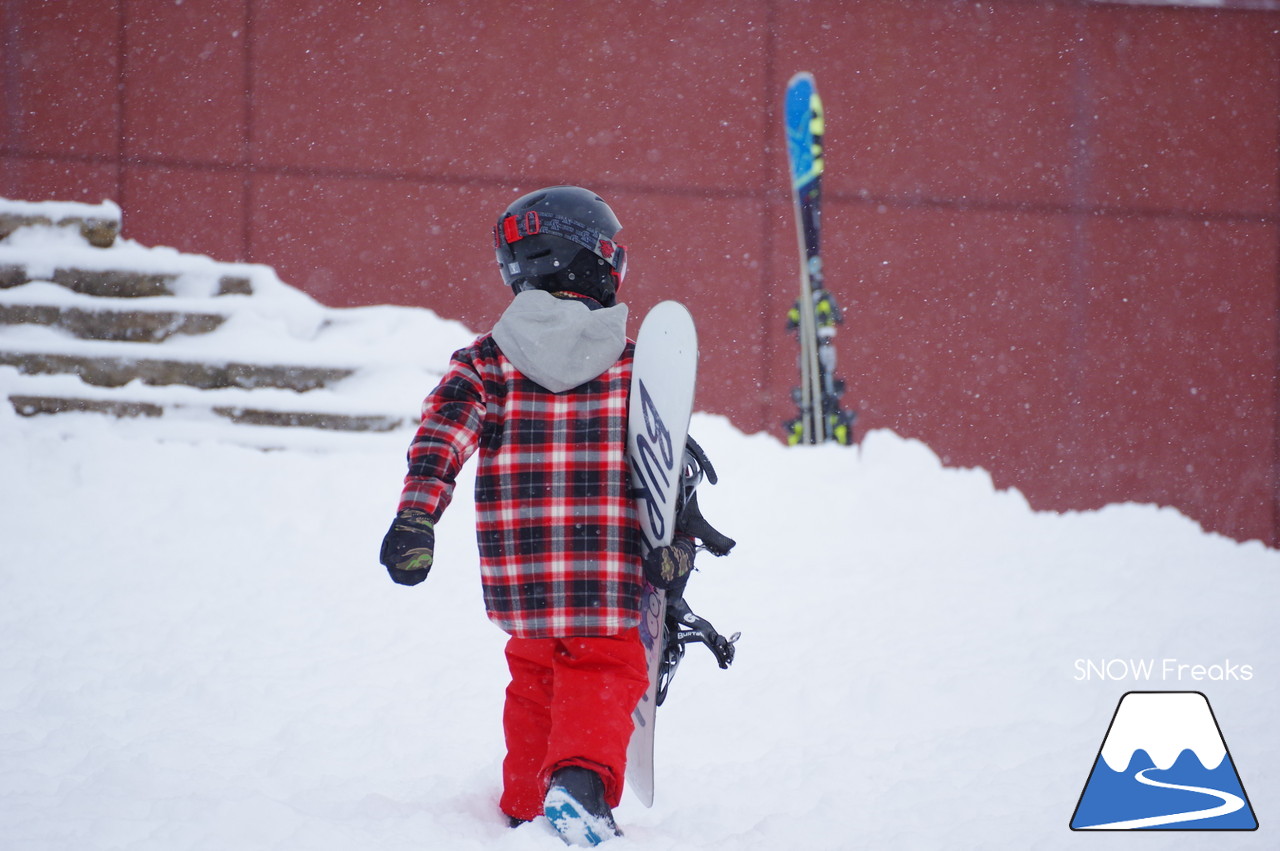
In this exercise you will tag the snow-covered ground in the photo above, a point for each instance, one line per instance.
(199, 650)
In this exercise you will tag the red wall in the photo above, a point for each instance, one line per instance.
(1053, 226)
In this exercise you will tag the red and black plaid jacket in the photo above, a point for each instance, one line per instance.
(560, 546)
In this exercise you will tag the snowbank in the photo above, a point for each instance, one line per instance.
(199, 649)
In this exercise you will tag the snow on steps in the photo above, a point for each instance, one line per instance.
(93, 323)
(98, 224)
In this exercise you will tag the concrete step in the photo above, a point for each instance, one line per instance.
(32, 405)
(320, 410)
(114, 283)
(117, 370)
(132, 326)
(134, 320)
(27, 405)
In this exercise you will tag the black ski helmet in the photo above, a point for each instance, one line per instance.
(561, 239)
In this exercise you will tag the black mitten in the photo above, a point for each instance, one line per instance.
(408, 547)
(666, 566)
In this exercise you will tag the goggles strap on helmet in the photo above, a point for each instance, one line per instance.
(514, 228)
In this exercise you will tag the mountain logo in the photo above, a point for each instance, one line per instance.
(1163, 765)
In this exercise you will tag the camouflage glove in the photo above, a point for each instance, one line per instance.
(407, 548)
(669, 565)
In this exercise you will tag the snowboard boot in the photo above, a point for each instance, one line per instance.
(576, 807)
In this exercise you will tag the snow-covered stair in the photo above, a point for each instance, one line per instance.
(90, 322)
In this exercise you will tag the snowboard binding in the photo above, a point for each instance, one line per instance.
(683, 627)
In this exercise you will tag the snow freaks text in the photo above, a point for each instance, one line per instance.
(1162, 670)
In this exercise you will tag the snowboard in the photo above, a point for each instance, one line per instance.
(664, 372)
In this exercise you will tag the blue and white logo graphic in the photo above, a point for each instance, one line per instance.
(1164, 766)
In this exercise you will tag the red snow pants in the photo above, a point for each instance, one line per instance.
(569, 703)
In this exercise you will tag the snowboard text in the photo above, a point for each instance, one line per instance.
(652, 485)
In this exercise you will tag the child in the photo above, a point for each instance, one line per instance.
(544, 398)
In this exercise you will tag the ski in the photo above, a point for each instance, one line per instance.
(815, 313)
